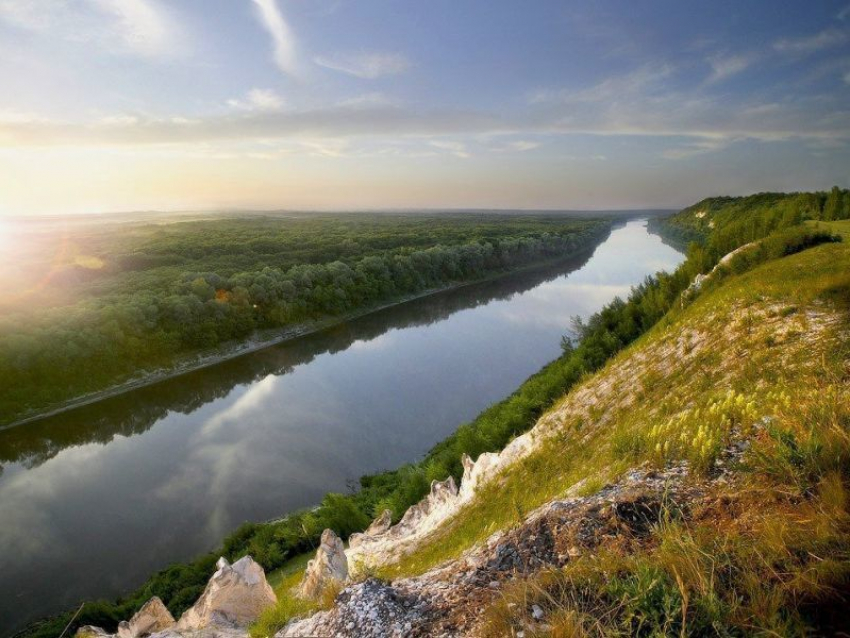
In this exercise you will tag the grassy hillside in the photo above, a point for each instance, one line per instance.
(758, 359)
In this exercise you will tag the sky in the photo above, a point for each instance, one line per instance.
(114, 105)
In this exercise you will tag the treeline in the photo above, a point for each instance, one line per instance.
(68, 351)
(603, 335)
(722, 223)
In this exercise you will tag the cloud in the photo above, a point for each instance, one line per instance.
(142, 27)
(282, 38)
(367, 100)
(639, 104)
(636, 82)
(120, 120)
(725, 66)
(516, 146)
(522, 146)
(458, 149)
(365, 65)
(699, 147)
(259, 100)
(810, 44)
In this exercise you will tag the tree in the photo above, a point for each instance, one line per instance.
(832, 206)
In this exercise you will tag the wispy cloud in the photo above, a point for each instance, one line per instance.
(826, 39)
(636, 82)
(259, 100)
(365, 65)
(522, 146)
(367, 100)
(143, 27)
(458, 149)
(698, 147)
(283, 40)
(725, 66)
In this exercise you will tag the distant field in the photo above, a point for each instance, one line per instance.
(91, 302)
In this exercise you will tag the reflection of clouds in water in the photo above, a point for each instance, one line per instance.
(217, 452)
(235, 448)
(378, 343)
(25, 500)
(544, 307)
(251, 400)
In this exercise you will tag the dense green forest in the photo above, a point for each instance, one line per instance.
(621, 322)
(117, 300)
(728, 220)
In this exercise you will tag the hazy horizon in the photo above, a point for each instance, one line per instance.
(335, 105)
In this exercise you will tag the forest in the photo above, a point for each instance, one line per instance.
(737, 221)
(115, 301)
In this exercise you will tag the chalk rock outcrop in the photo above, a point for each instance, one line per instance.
(378, 526)
(151, 618)
(382, 542)
(235, 596)
(328, 568)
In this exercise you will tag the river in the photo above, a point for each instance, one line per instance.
(92, 501)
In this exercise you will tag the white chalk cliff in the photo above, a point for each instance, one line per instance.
(328, 568)
(382, 542)
(235, 596)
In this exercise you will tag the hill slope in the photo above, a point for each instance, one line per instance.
(696, 485)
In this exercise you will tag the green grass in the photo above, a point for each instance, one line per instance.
(284, 580)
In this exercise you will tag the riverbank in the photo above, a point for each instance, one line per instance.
(282, 439)
(275, 431)
(274, 337)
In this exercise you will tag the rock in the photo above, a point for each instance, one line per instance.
(213, 631)
(536, 612)
(88, 631)
(235, 596)
(379, 526)
(371, 609)
(439, 500)
(329, 567)
(151, 618)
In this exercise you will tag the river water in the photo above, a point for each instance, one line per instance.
(92, 501)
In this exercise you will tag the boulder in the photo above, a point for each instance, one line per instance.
(235, 596)
(328, 568)
(151, 618)
(88, 631)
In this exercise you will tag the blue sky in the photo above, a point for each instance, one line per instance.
(335, 104)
